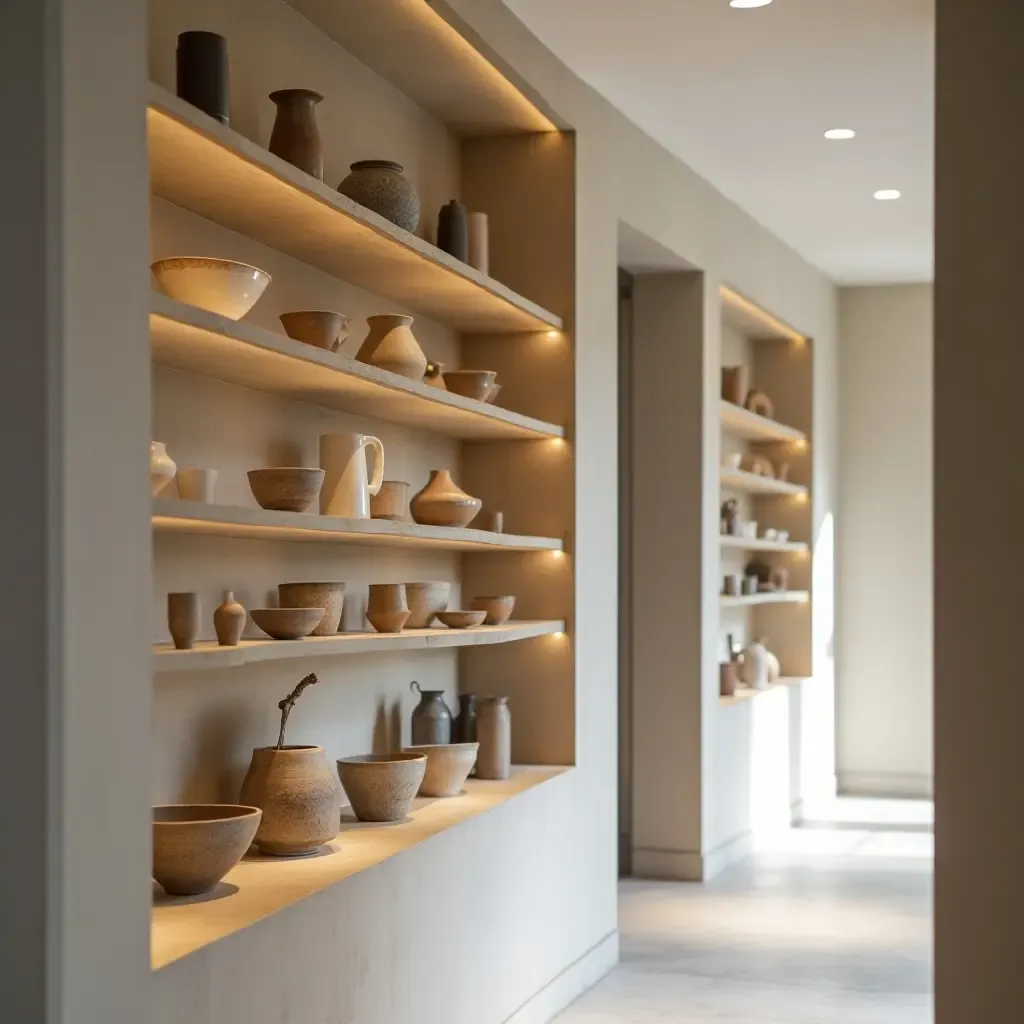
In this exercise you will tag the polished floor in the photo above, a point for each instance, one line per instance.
(828, 924)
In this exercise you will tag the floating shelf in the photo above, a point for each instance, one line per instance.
(210, 655)
(260, 524)
(756, 483)
(756, 323)
(262, 886)
(204, 343)
(795, 547)
(743, 423)
(768, 597)
(744, 695)
(199, 164)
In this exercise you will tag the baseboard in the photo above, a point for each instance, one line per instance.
(559, 993)
(910, 785)
(689, 865)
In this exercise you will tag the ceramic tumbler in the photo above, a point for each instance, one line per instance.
(183, 619)
(196, 484)
(494, 733)
(202, 73)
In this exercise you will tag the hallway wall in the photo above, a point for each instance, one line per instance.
(884, 575)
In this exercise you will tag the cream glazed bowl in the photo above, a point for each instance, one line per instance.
(218, 286)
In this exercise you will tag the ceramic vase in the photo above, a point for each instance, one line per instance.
(183, 619)
(494, 733)
(329, 596)
(161, 467)
(300, 798)
(754, 668)
(442, 503)
(391, 345)
(749, 586)
(229, 621)
(479, 243)
(386, 607)
(202, 73)
(391, 501)
(295, 137)
(726, 678)
(453, 230)
(464, 726)
(380, 186)
(431, 719)
(346, 490)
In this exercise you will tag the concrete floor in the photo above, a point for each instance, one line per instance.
(828, 924)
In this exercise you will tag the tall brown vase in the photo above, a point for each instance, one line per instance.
(296, 137)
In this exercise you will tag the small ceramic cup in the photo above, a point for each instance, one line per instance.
(731, 584)
(749, 585)
(750, 529)
(726, 678)
(487, 520)
(196, 484)
(391, 501)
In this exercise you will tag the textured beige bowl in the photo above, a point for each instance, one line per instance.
(475, 384)
(497, 609)
(196, 845)
(448, 767)
(425, 600)
(382, 787)
(220, 286)
(462, 619)
(287, 623)
(286, 489)
(329, 596)
(317, 327)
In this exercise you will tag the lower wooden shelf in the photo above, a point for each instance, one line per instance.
(768, 597)
(210, 655)
(262, 886)
(743, 695)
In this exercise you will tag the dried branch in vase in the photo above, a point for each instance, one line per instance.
(288, 703)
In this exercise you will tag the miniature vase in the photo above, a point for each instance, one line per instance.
(431, 719)
(442, 503)
(754, 669)
(296, 137)
(202, 72)
(453, 230)
(161, 467)
(391, 345)
(229, 621)
(494, 733)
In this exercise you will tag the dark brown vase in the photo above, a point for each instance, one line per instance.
(295, 137)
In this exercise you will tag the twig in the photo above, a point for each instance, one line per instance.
(288, 703)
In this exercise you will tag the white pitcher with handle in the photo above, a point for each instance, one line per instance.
(346, 492)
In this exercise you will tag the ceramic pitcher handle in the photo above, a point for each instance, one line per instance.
(378, 462)
(415, 687)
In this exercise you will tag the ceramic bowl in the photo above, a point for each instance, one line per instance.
(496, 609)
(448, 767)
(286, 489)
(287, 623)
(317, 327)
(425, 601)
(382, 787)
(492, 394)
(462, 619)
(329, 596)
(475, 384)
(220, 286)
(196, 845)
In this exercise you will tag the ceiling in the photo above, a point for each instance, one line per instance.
(744, 97)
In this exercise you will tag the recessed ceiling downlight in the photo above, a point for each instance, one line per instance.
(749, 3)
(840, 133)
(888, 193)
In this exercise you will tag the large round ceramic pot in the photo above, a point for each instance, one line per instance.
(380, 186)
(300, 798)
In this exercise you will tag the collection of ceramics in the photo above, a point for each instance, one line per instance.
(290, 800)
(731, 525)
(754, 667)
(736, 391)
(203, 79)
(315, 609)
(758, 464)
(341, 486)
(757, 578)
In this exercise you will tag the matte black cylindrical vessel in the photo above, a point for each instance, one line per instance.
(202, 59)
(464, 727)
(453, 230)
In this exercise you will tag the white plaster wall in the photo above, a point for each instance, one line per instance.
(884, 632)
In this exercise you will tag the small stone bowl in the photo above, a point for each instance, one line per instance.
(287, 623)
(382, 787)
(317, 327)
(448, 766)
(287, 488)
(498, 610)
(475, 384)
(196, 845)
(462, 619)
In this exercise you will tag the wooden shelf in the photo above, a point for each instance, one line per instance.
(743, 423)
(768, 597)
(195, 517)
(756, 483)
(209, 655)
(795, 547)
(262, 886)
(196, 341)
(756, 323)
(199, 164)
(743, 695)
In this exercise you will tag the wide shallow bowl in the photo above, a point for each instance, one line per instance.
(320, 328)
(329, 596)
(475, 384)
(448, 766)
(287, 623)
(287, 488)
(497, 609)
(196, 845)
(462, 619)
(382, 787)
(425, 600)
(220, 286)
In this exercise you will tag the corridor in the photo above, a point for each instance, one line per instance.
(828, 924)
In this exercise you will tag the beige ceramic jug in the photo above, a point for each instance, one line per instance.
(346, 491)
